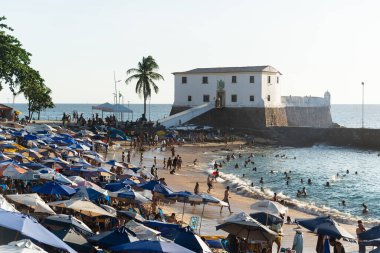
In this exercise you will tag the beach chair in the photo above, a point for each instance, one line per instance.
(194, 222)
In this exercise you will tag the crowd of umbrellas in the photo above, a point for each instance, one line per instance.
(59, 195)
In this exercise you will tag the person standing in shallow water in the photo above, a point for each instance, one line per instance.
(226, 199)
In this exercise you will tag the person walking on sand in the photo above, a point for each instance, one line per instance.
(164, 162)
(209, 183)
(122, 156)
(196, 188)
(173, 151)
(360, 229)
(129, 157)
(155, 161)
(169, 164)
(226, 199)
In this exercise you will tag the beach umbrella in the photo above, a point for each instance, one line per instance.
(10, 169)
(56, 160)
(191, 241)
(132, 215)
(112, 238)
(4, 158)
(88, 184)
(79, 146)
(76, 179)
(109, 209)
(83, 206)
(5, 205)
(113, 187)
(142, 232)
(209, 200)
(22, 246)
(14, 225)
(168, 230)
(63, 221)
(75, 240)
(28, 176)
(34, 166)
(53, 188)
(52, 175)
(115, 163)
(370, 234)
(19, 158)
(33, 201)
(242, 225)
(95, 158)
(374, 242)
(90, 193)
(156, 186)
(325, 225)
(85, 133)
(127, 193)
(151, 247)
(266, 218)
(268, 206)
(181, 196)
(32, 153)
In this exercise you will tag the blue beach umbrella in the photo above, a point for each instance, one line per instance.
(168, 230)
(112, 238)
(151, 247)
(370, 234)
(17, 225)
(53, 188)
(325, 225)
(90, 193)
(149, 185)
(128, 194)
(374, 242)
(115, 163)
(191, 241)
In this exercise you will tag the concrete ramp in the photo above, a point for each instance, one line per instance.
(187, 115)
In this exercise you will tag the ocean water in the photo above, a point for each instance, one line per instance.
(321, 164)
(344, 115)
(154, 111)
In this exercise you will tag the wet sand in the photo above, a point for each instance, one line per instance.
(186, 178)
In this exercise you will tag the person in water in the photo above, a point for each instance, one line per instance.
(343, 202)
(275, 197)
(327, 184)
(261, 180)
(236, 166)
(303, 192)
(309, 181)
(365, 208)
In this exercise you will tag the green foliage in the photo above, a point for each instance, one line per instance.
(146, 76)
(15, 71)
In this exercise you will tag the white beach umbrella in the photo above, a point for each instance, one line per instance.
(83, 206)
(33, 201)
(268, 206)
(22, 246)
(76, 179)
(5, 205)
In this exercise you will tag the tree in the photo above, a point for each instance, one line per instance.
(14, 60)
(37, 94)
(146, 76)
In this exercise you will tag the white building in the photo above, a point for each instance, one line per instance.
(252, 86)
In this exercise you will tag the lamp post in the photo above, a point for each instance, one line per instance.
(362, 104)
(118, 81)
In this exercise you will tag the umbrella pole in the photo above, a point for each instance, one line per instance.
(183, 210)
(200, 223)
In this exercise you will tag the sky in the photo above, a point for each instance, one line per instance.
(317, 45)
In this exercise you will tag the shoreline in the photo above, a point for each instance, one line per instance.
(186, 178)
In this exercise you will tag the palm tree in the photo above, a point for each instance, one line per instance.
(146, 76)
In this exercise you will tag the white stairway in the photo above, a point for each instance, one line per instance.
(185, 116)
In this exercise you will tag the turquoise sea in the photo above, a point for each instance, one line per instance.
(319, 163)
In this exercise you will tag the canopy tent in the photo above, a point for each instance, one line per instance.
(107, 107)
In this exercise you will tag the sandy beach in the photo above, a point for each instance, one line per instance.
(186, 178)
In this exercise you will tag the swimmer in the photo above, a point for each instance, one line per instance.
(294, 158)
(347, 171)
(301, 181)
(262, 189)
(287, 182)
(252, 162)
(299, 193)
(240, 155)
(271, 172)
(337, 174)
(236, 166)
(243, 175)
(309, 181)
(304, 191)
(251, 184)
(261, 180)
(365, 208)
(343, 203)
(254, 169)
(327, 184)
(356, 172)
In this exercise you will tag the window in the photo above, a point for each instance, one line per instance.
(252, 79)
(268, 97)
(233, 79)
(268, 79)
(205, 79)
(206, 98)
(184, 79)
(251, 98)
(234, 98)
(189, 98)
(278, 79)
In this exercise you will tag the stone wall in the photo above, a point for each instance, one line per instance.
(250, 117)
